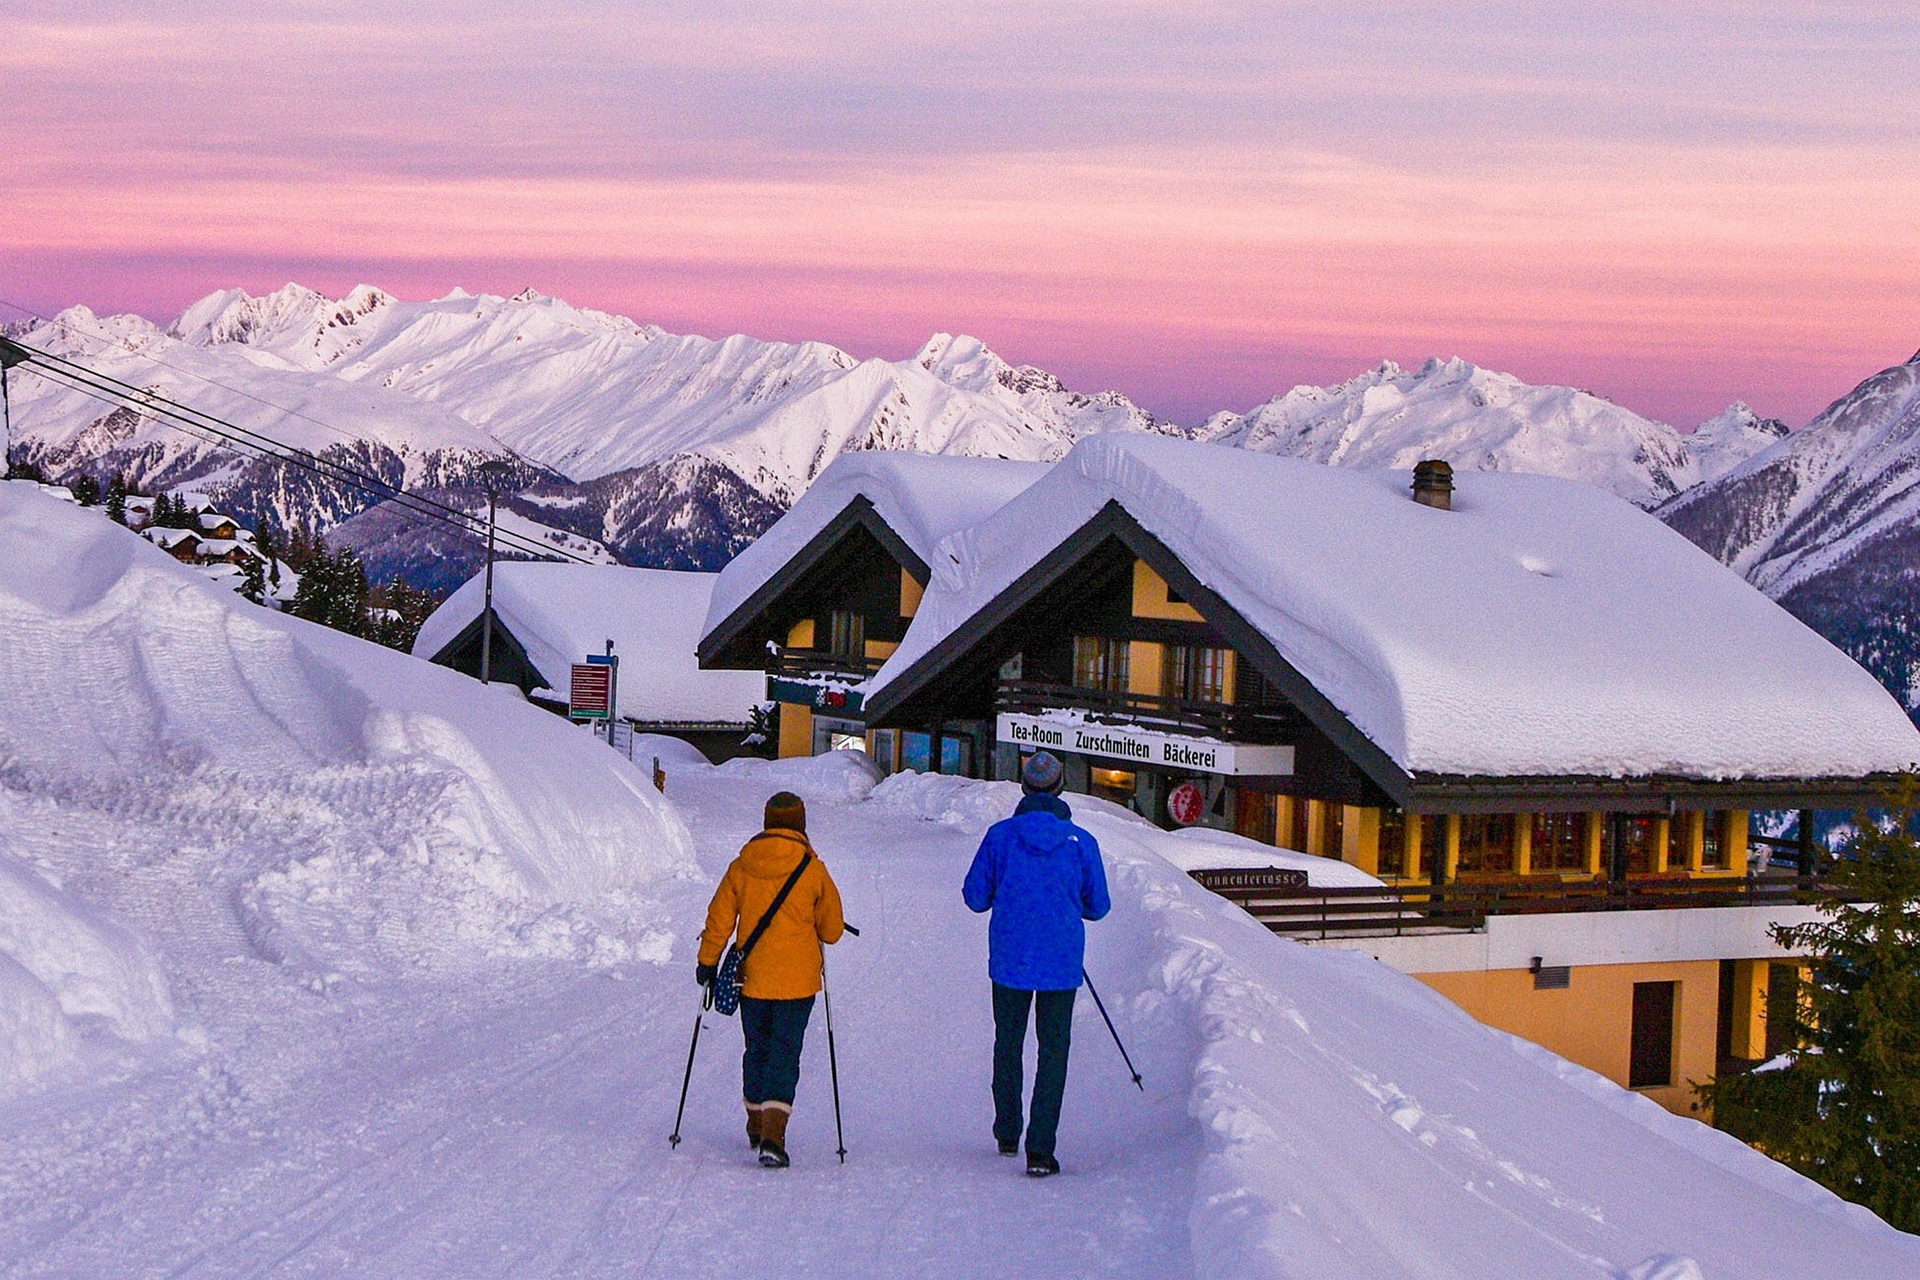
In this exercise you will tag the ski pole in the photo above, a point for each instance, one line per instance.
(673, 1139)
(1100, 1005)
(833, 1062)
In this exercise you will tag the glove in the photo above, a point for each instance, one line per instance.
(704, 974)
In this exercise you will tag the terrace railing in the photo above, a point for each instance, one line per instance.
(814, 664)
(1209, 719)
(1290, 908)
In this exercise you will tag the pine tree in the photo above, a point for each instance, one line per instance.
(162, 517)
(253, 581)
(85, 490)
(333, 589)
(117, 499)
(1845, 1108)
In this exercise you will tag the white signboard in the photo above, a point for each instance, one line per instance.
(1144, 746)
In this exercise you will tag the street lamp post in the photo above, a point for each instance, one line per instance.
(492, 474)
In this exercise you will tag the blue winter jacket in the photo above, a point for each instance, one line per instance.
(1041, 876)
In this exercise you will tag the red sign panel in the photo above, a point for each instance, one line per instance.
(1186, 804)
(592, 691)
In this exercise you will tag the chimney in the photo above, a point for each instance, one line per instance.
(1433, 484)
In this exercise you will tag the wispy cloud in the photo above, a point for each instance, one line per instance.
(1259, 192)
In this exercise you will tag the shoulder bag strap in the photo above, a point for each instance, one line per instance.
(779, 901)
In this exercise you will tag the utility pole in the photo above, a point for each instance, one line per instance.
(10, 355)
(492, 474)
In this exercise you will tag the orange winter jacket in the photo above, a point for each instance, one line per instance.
(786, 962)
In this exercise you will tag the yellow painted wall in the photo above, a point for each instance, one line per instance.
(1360, 839)
(1749, 1009)
(1150, 598)
(881, 648)
(800, 635)
(1736, 837)
(1145, 667)
(1591, 1022)
(911, 589)
(796, 730)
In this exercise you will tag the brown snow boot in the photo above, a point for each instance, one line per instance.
(773, 1135)
(753, 1126)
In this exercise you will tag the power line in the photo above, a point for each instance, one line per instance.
(128, 347)
(208, 428)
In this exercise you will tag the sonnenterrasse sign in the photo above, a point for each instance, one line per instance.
(1143, 746)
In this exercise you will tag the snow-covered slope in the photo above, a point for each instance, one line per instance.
(355, 806)
(1825, 522)
(1486, 421)
(399, 439)
(1813, 499)
(589, 394)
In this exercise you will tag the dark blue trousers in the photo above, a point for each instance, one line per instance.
(775, 1031)
(1053, 1027)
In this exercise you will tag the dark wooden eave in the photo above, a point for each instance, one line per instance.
(912, 698)
(506, 645)
(1567, 793)
(857, 514)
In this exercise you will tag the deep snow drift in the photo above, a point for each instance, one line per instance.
(360, 808)
(346, 967)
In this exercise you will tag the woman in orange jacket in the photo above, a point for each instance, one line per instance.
(782, 973)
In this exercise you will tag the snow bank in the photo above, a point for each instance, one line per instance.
(1204, 849)
(671, 752)
(835, 778)
(363, 801)
(74, 981)
(1359, 1124)
(1539, 627)
(974, 806)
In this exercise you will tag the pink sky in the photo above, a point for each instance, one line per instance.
(1201, 205)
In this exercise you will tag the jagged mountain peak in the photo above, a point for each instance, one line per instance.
(1473, 417)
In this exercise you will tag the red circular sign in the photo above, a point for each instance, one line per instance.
(1186, 804)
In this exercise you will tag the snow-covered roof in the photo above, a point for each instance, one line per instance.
(560, 613)
(1540, 627)
(213, 520)
(167, 537)
(921, 497)
(227, 546)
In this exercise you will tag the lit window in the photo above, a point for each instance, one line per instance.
(1393, 842)
(1559, 842)
(1100, 663)
(1713, 842)
(1197, 674)
(1636, 836)
(1486, 843)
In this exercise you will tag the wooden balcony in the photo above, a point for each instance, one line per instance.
(1301, 912)
(818, 664)
(1264, 724)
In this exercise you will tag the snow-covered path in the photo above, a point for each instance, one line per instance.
(514, 1124)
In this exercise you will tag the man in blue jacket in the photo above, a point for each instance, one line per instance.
(1041, 876)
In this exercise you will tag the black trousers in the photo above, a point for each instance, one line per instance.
(775, 1031)
(1053, 1026)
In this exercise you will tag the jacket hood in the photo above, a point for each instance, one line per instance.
(772, 855)
(1041, 833)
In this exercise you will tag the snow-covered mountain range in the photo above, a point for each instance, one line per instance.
(676, 451)
(1824, 521)
(1474, 417)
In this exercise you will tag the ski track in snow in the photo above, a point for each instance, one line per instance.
(511, 1119)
